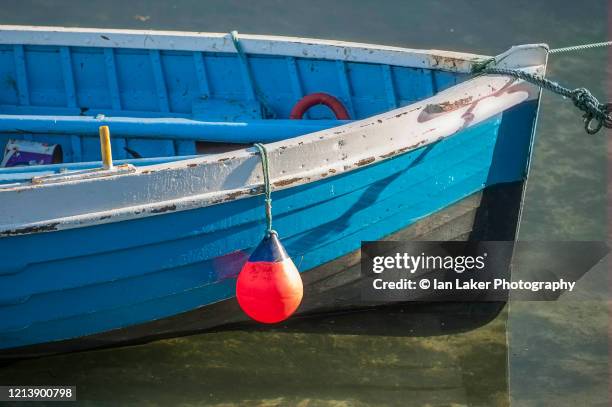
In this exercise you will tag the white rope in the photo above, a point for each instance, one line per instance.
(580, 47)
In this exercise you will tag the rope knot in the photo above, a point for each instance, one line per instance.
(593, 110)
(582, 98)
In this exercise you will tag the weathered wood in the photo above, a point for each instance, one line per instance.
(252, 44)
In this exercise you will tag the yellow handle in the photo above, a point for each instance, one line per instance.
(105, 148)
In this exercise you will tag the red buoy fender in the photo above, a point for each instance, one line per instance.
(319, 98)
(269, 287)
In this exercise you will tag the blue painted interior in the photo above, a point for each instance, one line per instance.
(178, 261)
(84, 82)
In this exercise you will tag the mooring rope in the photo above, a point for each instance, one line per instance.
(268, 111)
(580, 47)
(267, 188)
(583, 99)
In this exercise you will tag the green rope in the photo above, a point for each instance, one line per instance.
(267, 188)
(267, 109)
(594, 111)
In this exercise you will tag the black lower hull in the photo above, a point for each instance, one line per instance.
(333, 288)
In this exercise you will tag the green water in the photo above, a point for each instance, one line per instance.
(532, 354)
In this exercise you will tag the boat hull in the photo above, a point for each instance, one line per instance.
(72, 289)
(491, 214)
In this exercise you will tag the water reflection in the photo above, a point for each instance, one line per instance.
(559, 350)
(378, 357)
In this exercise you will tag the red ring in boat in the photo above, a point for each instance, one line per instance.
(319, 98)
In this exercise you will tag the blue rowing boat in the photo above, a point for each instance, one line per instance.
(365, 142)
